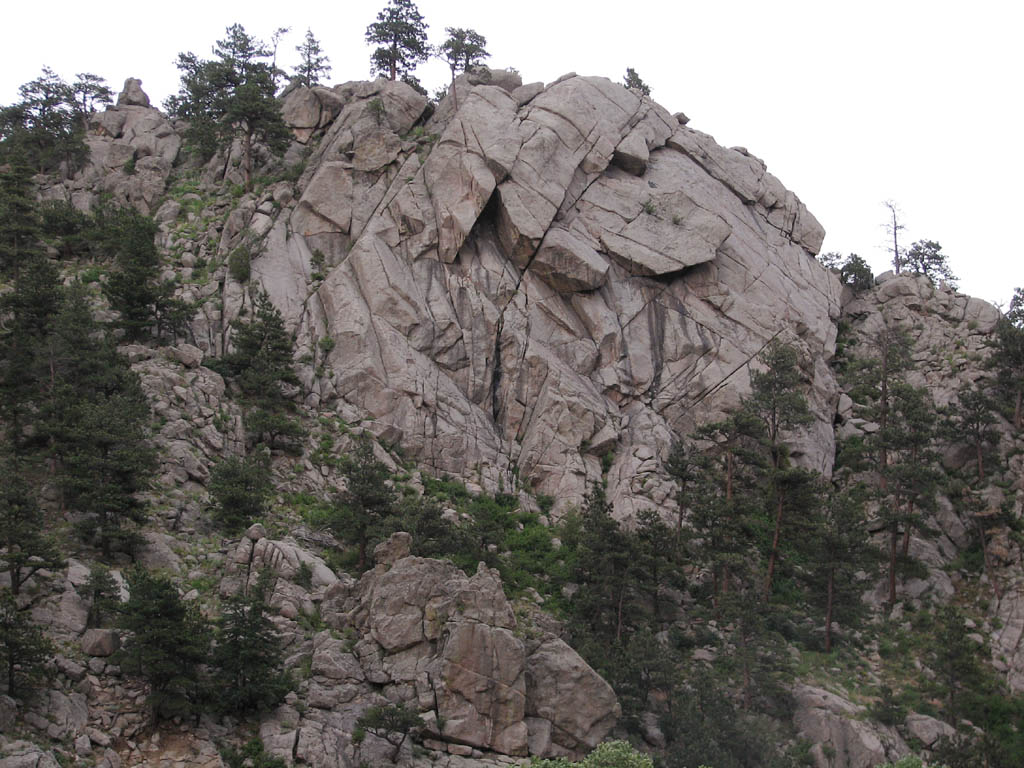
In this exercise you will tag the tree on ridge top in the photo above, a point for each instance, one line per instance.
(232, 96)
(401, 35)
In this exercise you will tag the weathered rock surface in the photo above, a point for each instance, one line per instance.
(420, 631)
(829, 721)
(533, 274)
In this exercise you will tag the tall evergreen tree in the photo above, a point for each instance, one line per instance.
(839, 547)
(29, 310)
(261, 363)
(401, 38)
(135, 289)
(605, 571)
(359, 511)
(973, 420)
(45, 128)
(168, 644)
(313, 64)
(777, 401)
(88, 91)
(94, 418)
(463, 49)
(240, 488)
(20, 225)
(25, 547)
(23, 646)
(247, 657)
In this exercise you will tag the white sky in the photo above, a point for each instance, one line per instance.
(849, 104)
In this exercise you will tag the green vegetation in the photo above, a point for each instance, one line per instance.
(240, 488)
(394, 723)
(611, 754)
(23, 646)
(400, 35)
(169, 643)
(231, 97)
(313, 64)
(247, 656)
(260, 364)
(634, 83)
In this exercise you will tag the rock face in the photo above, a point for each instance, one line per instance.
(840, 740)
(420, 632)
(132, 147)
(540, 277)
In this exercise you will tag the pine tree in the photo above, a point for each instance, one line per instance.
(401, 38)
(247, 657)
(1008, 356)
(135, 289)
(45, 128)
(93, 417)
(973, 420)
(101, 592)
(313, 65)
(955, 659)
(23, 646)
(605, 571)
(393, 723)
(88, 91)
(359, 511)
(261, 363)
(169, 642)
(231, 97)
(25, 548)
(912, 475)
(727, 497)
(839, 547)
(463, 49)
(777, 401)
(29, 310)
(926, 258)
(240, 488)
(20, 225)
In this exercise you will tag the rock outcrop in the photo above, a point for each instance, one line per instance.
(541, 277)
(839, 738)
(420, 632)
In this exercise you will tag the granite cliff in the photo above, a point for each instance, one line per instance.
(533, 289)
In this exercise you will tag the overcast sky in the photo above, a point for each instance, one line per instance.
(849, 104)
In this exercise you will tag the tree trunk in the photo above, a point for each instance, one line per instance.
(775, 546)
(894, 535)
(906, 530)
(362, 555)
(618, 617)
(1017, 409)
(985, 559)
(247, 159)
(828, 610)
(981, 466)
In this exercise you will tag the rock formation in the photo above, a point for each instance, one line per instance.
(544, 277)
(535, 290)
